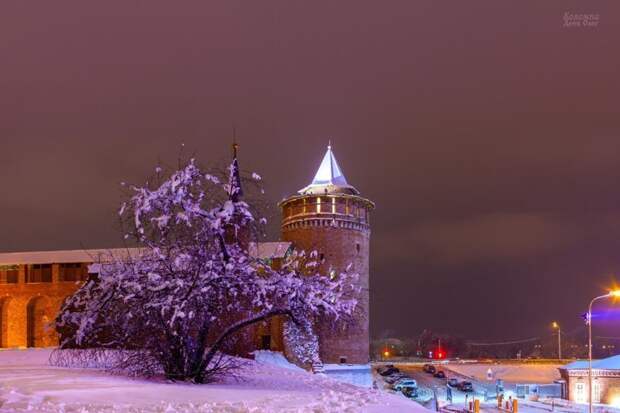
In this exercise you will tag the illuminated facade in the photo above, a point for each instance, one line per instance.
(605, 381)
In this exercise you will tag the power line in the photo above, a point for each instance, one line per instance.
(502, 343)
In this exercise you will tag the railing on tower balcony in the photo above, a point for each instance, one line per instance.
(346, 212)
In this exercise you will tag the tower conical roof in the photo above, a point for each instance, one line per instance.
(329, 178)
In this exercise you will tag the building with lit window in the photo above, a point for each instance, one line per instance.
(605, 381)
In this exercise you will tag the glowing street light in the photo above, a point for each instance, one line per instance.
(555, 325)
(611, 294)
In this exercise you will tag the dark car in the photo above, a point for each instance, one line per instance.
(395, 377)
(410, 391)
(389, 371)
(440, 374)
(453, 382)
(466, 386)
(431, 369)
(381, 369)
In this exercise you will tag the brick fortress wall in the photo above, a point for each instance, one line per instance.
(29, 305)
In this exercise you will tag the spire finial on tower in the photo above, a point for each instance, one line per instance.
(234, 181)
(235, 146)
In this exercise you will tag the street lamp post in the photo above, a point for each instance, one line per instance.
(556, 325)
(614, 293)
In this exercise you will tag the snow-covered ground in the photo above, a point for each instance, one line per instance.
(514, 373)
(28, 383)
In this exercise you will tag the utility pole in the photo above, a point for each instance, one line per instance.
(557, 326)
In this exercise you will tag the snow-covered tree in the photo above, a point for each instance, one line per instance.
(172, 306)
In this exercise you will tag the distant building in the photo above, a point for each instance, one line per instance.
(605, 381)
(328, 215)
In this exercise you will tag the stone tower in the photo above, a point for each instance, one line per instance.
(331, 217)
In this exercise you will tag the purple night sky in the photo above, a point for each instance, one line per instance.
(486, 132)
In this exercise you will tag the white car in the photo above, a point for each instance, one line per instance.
(398, 386)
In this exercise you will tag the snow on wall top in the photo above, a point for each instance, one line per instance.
(329, 178)
(62, 256)
(610, 363)
(267, 250)
(264, 250)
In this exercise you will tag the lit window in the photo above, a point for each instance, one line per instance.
(318, 205)
(39, 273)
(73, 271)
(9, 274)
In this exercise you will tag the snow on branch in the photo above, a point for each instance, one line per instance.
(193, 286)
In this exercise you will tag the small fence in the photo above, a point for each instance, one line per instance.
(534, 391)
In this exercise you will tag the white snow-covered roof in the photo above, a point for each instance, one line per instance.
(610, 363)
(267, 250)
(63, 256)
(329, 178)
(264, 250)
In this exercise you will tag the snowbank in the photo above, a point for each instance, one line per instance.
(27, 383)
(274, 358)
(357, 374)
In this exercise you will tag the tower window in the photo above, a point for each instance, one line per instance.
(357, 247)
(321, 257)
(343, 360)
(333, 205)
(318, 205)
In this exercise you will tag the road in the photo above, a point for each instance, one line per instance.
(427, 382)
(439, 386)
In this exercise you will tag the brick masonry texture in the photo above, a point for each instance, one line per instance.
(28, 310)
(341, 239)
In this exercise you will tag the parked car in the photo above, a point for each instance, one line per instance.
(426, 367)
(398, 386)
(409, 391)
(453, 382)
(466, 386)
(440, 374)
(431, 369)
(395, 377)
(389, 371)
(381, 369)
